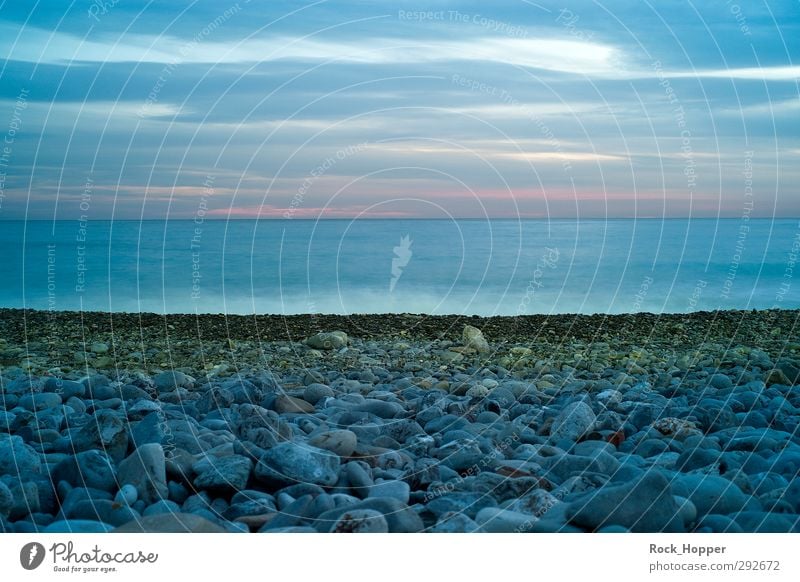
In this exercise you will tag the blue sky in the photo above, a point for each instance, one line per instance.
(392, 109)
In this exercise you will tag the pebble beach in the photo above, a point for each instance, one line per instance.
(399, 423)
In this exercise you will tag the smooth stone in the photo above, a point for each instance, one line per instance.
(18, 458)
(380, 408)
(171, 523)
(66, 388)
(106, 432)
(358, 475)
(573, 422)
(103, 510)
(399, 517)
(290, 405)
(455, 523)
(171, 379)
(644, 506)
(90, 468)
(225, 474)
(293, 514)
(77, 526)
(40, 401)
(250, 507)
(290, 462)
(341, 442)
(127, 495)
(146, 470)
(762, 522)
(151, 429)
(360, 521)
(399, 490)
(293, 529)
(710, 494)
(473, 338)
(333, 340)
(315, 392)
(161, 506)
(720, 381)
(468, 503)
(697, 458)
(6, 500)
(496, 520)
(714, 523)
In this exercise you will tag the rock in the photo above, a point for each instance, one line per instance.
(762, 522)
(225, 474)
(146, 470)
(128, 494)
(473, 338)
(645, 506)
(99, 348)
(78, 526)
(66, 388)
(380, 408)
(160, 507)
(315, 392)
(341, 442)
(710, 493)
(25, 496)
(399, 490)
(171, 380)
(102, 510)
(574, 421)
(455, 523)
(90, 468)
(360, 521)
(288, 463)
(717, 524)
(171, 523)
(333, 340)
(467, 503)
(288, 404)
(777, 376)
(720, 381)
(6, 500)
(106, 432)
(151, 429)
(17, 458)
(478, 391)
(399, 517)
(496, 520)
(40, 401)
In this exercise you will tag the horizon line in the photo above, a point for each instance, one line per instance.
(396, 218)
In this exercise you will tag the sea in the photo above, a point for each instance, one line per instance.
(473, 267)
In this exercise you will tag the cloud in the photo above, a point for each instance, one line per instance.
(554, 54)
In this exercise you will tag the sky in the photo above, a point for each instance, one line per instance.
(122, 109)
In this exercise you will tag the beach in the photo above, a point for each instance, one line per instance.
(399, 422)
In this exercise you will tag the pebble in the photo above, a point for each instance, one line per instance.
(91, 468)
(340, 442)
(399, 490)
(145, 469)
(360, 521)
(333, 340)
(229, 473)
(572, 423)
(644, 506)
(288, 463)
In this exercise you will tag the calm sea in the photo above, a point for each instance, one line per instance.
(421, 266)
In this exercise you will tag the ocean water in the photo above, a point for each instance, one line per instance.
(504, 267)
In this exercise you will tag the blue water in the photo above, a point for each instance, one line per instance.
(339, 266)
